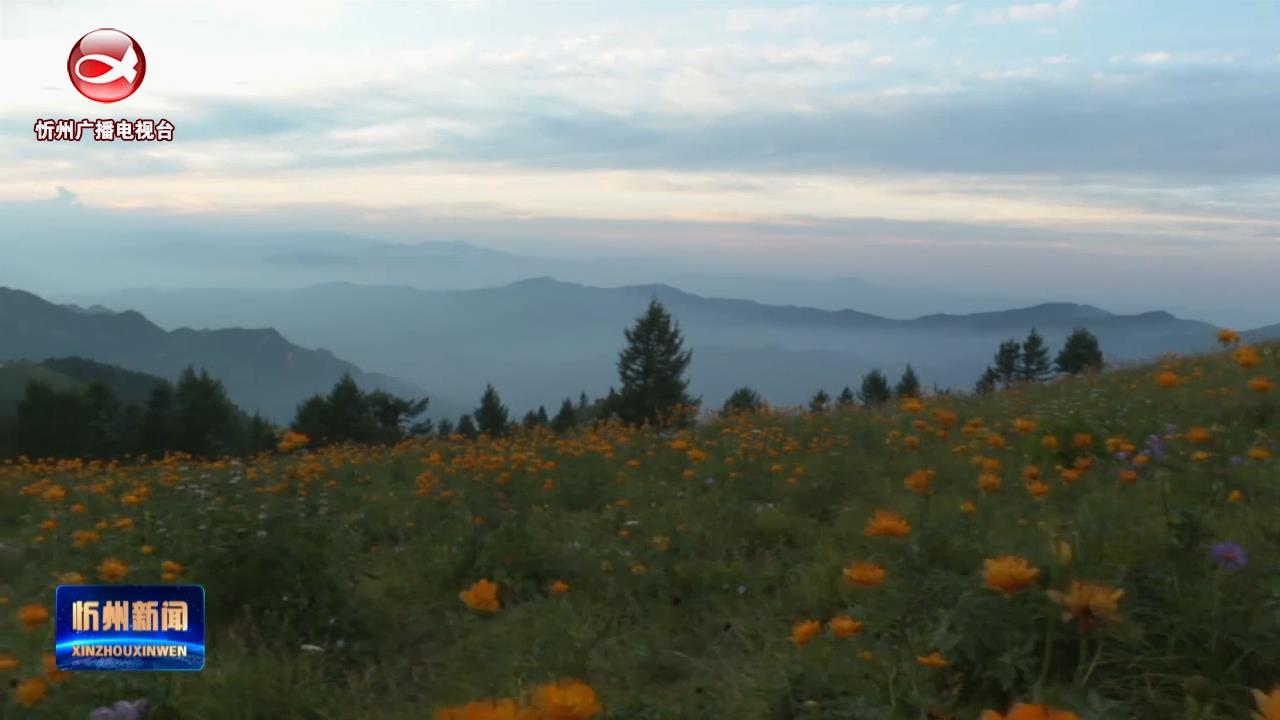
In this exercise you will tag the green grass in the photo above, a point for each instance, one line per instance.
(688, 572)
(14, 378)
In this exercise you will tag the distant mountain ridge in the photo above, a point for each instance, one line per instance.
(541, 339)
(262, 371)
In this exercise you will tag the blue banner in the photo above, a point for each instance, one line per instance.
(129, 627)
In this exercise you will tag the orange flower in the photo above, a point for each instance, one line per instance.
(1090, 603)
(887, 524)
(1268, 704)
(1009, 574)
(1247, 357)
(1031, 472)
(1235, 496)
(1259, 454)
(1049, 442)
(1228, 337)
(803, 632)
(113, 569)
(843, 626)
(1260, 384)
(1024, 425)
(8, 662)
(482, 596)
(968, 507)
(504, 709)
(1037, 489)
(865, 574)
(1129, 477)
(1199, 435)
(170, 570)
(1200, 456)
(989, 482)
(932, 660)
(31, 692)
(1023, 711)
(51, 671)
(1168, 379)
(566, 700)
(32, 616)
(559, 587)
(920, 482)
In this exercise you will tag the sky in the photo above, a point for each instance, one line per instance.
(1114, 152)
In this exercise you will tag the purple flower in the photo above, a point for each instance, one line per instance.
(1156, 446)
(122, 710)
(1237, 459)
(1229, 555)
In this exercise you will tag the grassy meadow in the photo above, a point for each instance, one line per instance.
(1108, 546)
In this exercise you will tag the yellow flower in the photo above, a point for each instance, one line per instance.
(932, 660)
(1037, 489)
(887, 524)
(1168, 379)
(866, 655)
(71, 578)
(1247, 357)
(805, 631)
(113, 569)
(31, 692)
(1062, 550)
(170, 570)
(1268, 704)
(968, 507)
(843, 626)
(559, 587)
(1235, 496)
(1228, 337)
(989, 482)
(1259, 454)
(1090, 603)
(482, 596)
(1009, 574)
(865, 574)
(51, 671)
(1260, 384)
(1024, 425)
(1200, 456)
(566, 700)
(8, 662)
(32, 616)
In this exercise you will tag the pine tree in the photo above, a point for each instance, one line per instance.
(1008, 357)
(819, 402)
(467, 427)
(909, 385)
(491, 416)
(987, 383)
(444, 428)
(207, 421)
(565, 419)
(1080, 353)
(743, 400)
(651, 369)
(1033, 365)
(542, 415)
(846, 397)
(875, 389)
(157, 421)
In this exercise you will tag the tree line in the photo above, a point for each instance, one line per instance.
(195, 415)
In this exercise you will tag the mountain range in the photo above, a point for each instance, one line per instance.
(261, 370)
(539, 340)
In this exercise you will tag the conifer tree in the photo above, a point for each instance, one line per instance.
(491, 416)
(467, 427)
(846, 397)
(875, 389)
(652, 368)
(1080, 353)
(987, 383)
(1033, 364)
(566, 418)
(1007, 358)
(444, 428)
(819, 402)
(909, 384)
(743, 400)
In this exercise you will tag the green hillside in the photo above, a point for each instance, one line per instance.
(15, 376)
(1108, 546)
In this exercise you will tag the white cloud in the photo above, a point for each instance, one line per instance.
(1153, 58)
(1033, 12)
(1011, 74)
(898, 13)
(882, 60)
(1054, 59)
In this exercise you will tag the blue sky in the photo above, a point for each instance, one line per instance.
(1072, 146)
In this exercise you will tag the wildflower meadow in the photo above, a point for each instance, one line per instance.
(1102, 547)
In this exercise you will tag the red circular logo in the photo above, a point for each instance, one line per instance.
(106, 65)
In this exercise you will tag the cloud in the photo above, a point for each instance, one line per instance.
(1153, 58)
(882, 60)
(1032, 12)
(1055, 59)
(898, 13)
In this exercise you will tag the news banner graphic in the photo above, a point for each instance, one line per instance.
(129, 627)
(105, 66)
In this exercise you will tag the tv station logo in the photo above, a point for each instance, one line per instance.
(129, 627)
(105, 66)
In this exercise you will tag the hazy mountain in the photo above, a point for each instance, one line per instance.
(262, 370)
(539, 340)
